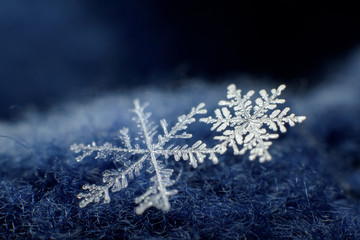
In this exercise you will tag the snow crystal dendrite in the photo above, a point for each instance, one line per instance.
(148, 154)
(245, 126)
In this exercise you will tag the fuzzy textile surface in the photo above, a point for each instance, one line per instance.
(310, 189)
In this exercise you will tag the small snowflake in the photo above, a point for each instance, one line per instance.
(246, 126)
(148, 154)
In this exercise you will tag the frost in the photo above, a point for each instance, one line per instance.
(245, 126)
(148, 154)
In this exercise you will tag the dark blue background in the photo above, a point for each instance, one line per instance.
(53, 50)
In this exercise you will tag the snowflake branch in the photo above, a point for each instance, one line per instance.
(223, 120)
(103, 151)
(125, 137)
(116, 180)
(157, 195)
(196, 153)
(182, 123)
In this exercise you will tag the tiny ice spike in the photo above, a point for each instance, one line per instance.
(150, 155)
(245, 126)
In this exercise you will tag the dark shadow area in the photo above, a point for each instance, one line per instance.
(53, 50)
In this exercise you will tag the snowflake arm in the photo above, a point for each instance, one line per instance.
(103, 151)
(114, 180)
(245, 127)
(183, 122)
(157, 195)
(195, 154)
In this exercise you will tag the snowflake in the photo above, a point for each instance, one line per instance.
(245, 127)
(157, 194)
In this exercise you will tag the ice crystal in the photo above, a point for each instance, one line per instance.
(148, 154)
(245, 126)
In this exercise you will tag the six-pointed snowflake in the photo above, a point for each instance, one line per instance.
(148, 153)
(246, 126)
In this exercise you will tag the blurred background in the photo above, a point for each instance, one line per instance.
(53, 50)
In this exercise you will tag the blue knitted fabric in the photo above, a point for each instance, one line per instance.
(310, 189)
